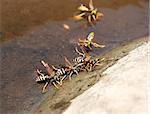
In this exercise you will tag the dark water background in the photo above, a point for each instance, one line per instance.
(32, 30)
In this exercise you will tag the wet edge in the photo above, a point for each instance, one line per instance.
(58, 100)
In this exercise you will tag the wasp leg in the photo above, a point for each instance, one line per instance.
(59, 83)
(55, 85)
(89, 47)
(44, 87)
(80, 41)
(86, 69)
(70, 75)
(82, 68)
(90, 68)
(78, 50)
(102, 59)
(89, 19)
(99, 15)
(98, 64)
(76, 72)
(70, 78)
(94, 18)
(54, 68)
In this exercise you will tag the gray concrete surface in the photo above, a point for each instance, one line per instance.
(123, 90)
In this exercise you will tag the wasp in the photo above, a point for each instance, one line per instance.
(89, 13)
(44, 78)
(87, 43)
(47, 78)
(88, 61)
(66, 71)
(93, 62)
(72, 69)
(61, 72)
(83, 58)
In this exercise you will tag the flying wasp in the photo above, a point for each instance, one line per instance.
(87, 43)
(89, 13)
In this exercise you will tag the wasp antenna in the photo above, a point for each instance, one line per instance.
(38, 71)
(54, 67)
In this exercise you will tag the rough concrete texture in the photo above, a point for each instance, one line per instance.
(123, 90)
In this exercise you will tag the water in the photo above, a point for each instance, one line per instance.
(18, 17)
(33, 31)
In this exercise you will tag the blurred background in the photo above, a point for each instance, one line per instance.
(20, 16)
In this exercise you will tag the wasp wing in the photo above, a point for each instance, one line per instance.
(91, 5)
(79, 17)
(99, 15)
(83, 8)
(49, 70)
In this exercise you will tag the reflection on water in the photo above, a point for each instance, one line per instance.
(19, 16)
